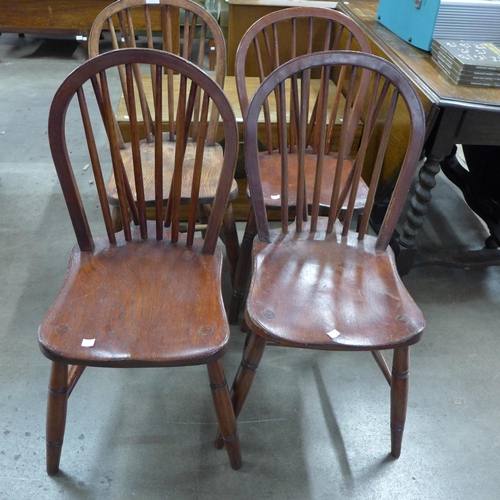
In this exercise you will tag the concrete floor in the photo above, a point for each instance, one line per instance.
(316, 425)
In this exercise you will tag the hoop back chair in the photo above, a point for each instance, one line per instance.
(321, 283)
(181, 27)
(261, 51)
(149, 295)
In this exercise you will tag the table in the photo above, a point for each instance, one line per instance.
(455, 115)
(252, 83)
(240, 205)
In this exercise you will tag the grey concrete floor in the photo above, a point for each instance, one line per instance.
(316, 425)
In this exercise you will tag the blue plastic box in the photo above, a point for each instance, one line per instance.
(411, 20)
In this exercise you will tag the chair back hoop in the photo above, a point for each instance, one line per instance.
(188, 151)
(338, 31)
(388, 89)
(186, 29)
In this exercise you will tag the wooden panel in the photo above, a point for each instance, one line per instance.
(479, 127)
(241, 17)
(50, 16)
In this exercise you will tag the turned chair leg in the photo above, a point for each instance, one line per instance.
(242, 269)
(399, 397)
(116, 217)
(231, 241)
(244, 376)
(225, 413)
(56, 415)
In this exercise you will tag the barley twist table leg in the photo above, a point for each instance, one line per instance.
(418, 208)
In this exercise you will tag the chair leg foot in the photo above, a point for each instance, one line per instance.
(399, 397)
(225, 413)
(56, 415)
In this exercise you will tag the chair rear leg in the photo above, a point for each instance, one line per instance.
(231, 241)
(57, 404)
(116, 218)
(399, 397)
(225, 413)
(242, 269)
(228, 234)
(244, 377)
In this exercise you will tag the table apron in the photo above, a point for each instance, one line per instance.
(479, 127)
(458, 125)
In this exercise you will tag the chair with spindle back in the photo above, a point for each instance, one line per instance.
(184, 28)
(149, 295)
(320, 283)
(308, 29)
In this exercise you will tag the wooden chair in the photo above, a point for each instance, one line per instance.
(320, 283)
(149, 295)
(306, 30)
(184, 28)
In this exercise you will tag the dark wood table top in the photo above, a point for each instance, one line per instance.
(418, 65)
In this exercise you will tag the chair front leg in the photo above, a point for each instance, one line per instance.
(57, 404)
(247, 371)
(244, 377)
(399, 397)
(225, 413)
